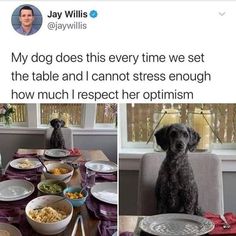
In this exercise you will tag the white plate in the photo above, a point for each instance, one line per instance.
(176, 224)
(17, 163)
(15, 189)
(57, 153)
(101, 166)
(12, 230)
(105, 192)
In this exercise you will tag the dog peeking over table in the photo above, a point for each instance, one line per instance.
(57, 139)
(176, 189)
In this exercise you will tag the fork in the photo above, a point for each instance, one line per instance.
(226, 225)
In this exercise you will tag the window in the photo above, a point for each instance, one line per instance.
(139, 120)
(70, 113)
(19, 116)
(106, 113)
(75, 115)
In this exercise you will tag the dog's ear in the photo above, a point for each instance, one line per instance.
(194, 139)
(53, 122)
(162, 138)
(62, 123)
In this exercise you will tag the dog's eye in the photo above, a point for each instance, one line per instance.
(185, 134)
(173, 134)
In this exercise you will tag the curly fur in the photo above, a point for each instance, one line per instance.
(176, 189)
(57, 139)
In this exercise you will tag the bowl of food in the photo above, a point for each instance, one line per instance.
(51, 186)
(47, 215)
(58, 171)
(75, 196)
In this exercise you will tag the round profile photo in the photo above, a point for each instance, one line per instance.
(26, 19)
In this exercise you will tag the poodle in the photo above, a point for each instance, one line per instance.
(176, 190)
(57, 139)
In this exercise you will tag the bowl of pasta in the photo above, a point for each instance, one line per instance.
(58, 171)
(47, 215)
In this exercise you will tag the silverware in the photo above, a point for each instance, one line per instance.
(79, 218)
(43, 164)
(51, 203)
(226, 225)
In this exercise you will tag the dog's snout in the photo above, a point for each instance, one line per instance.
(179, 145)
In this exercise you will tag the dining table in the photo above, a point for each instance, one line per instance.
(129, 224)
(94, 224)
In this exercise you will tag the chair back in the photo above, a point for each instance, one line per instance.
(207, 173)
(67, 134)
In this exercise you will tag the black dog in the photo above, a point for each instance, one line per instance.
(57, 139)
(176, 189)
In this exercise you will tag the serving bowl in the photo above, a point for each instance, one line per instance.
(51, 186)
(71, 192)
(49, 200)
(58, 169)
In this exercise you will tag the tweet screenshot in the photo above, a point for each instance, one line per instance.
(119, 51)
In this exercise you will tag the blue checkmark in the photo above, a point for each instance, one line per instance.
(93, 13)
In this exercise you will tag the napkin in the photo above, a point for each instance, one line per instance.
(101, 210)
(107, 228)
(6, 212)
(126, 234)
(75, 152)
(218, 230)
(33, 175)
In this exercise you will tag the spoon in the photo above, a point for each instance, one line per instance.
(51, 203)
(82, 189)
(226, 225)
(43, 165)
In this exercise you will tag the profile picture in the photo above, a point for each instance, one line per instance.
(26, 19)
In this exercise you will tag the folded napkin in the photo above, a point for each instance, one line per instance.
(102, 210)
(218, 230)
(107, 228)
(14, 213)
(126, 234)
(75, 152)
(33, 175)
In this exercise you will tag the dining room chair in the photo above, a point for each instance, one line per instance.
(67, 134)
(208, 176)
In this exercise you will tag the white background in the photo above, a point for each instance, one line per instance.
(128, 27)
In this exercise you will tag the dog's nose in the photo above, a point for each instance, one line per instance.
(179, 145)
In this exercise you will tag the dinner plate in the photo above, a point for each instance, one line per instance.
(101, 166)
(11, 229)
(105, 192)
(25, 163)
(15, 189)
(115, 234)
(57, 153)
(176, 225)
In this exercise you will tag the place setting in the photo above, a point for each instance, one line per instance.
(103, 197)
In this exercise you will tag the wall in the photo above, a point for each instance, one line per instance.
(9, 143)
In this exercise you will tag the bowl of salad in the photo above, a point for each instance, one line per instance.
(51, 186)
